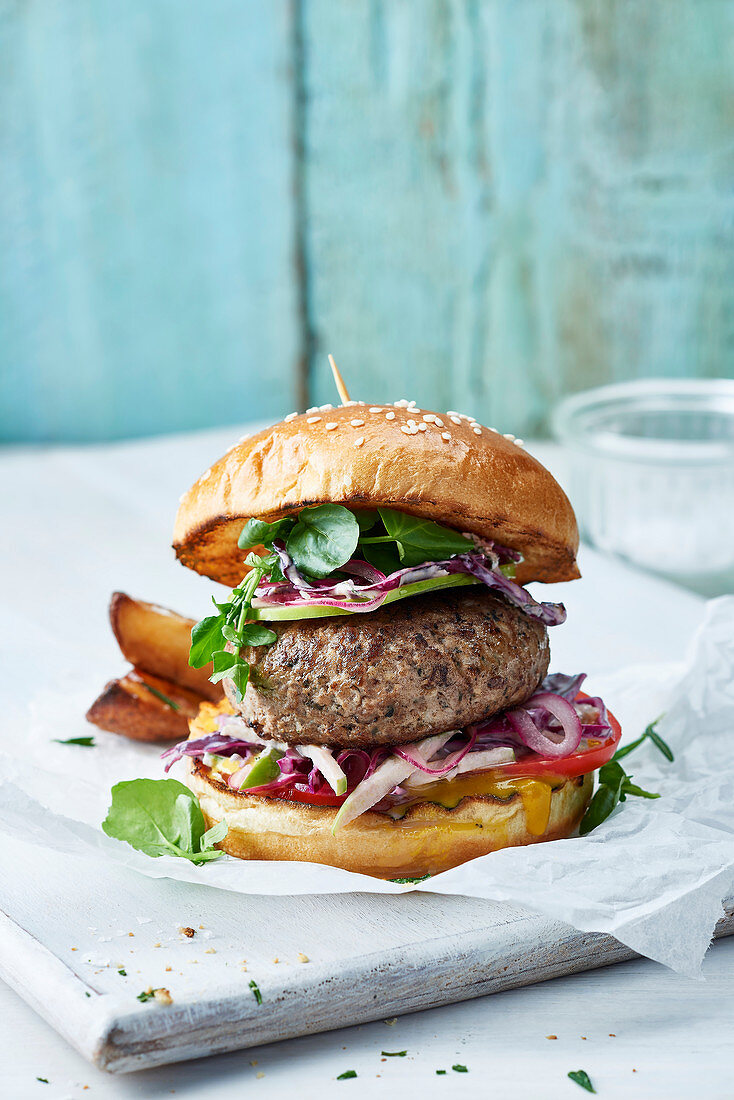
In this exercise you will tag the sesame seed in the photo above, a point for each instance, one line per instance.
(331, 425)
(429, 418)
(401, 404)
(313, 409)
(376, 409)
(359, 442)
(412, 423)
(390, 416)
(438, 421)
(477, 431)
(519, 442)
(508, 435)
(454, 419)
(422, 427)
(412, 404)
(357, 423)
(494, 430)
(312, 419)
(291, 416)
(404, 428)
(446, 436)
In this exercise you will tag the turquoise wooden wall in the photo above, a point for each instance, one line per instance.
(482, 204)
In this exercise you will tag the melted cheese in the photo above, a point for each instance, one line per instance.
(536, 796)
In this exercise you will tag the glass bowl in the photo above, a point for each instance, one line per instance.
(651, 475)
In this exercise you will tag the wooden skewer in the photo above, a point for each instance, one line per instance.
(343, 391)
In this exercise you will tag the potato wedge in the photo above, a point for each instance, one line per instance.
(157, 641)
(145, 708)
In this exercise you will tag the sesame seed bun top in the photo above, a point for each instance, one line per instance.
(444, 466)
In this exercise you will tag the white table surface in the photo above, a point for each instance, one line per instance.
(676, 1034)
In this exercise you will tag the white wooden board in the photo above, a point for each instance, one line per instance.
(64, 939)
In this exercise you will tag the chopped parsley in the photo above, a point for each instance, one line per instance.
(349, 1073)
(256, 991)
(122, 972)
(393, 1053)
(459, 1068)
(411, 881)
(85, 742)
(146, 995)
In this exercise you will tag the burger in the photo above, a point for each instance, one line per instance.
(387, 705)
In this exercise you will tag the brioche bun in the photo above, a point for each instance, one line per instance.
(475, 480)
(428, 839)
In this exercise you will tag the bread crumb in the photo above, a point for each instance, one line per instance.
(276, 959)
(210, 951)
(253, 1061)
(169, 968)
(303, 958)
(162, 996)
(188, 932)
(159, 944)
(391, 1022)
(259, 1073)
(551, 1036)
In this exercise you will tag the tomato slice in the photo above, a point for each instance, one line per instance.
(323, 798)
(578, 763)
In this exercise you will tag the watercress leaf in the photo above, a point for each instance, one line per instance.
(222, 608)
(658, 742)
(222, 665)
(633, 789)
(232, 635)
(255, 634)
(323, 540)
(366, 518)
(158, 817)
(627, 749)
(239, 676)
(214, 835)
(420, 540)
(600, 807)
(581, 1077)
(206, 637)
(383, 556)
(257, 532)
(612, 775)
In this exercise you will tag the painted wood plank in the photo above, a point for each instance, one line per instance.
(147, 280)
(370, 957)
(508, 201)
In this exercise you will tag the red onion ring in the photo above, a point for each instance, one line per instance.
(544, 743)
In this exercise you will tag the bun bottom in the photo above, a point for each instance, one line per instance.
(428, 839)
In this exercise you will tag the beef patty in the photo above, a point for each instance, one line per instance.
(416, 667)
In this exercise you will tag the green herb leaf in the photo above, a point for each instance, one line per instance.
(633, 789)
(440, 1072)
(421, 878)
(256, 991)
(323, 540)
(43, 1080)
(214, 835)
(420, 540)
(650, 734)
(581, 1077)
(347, 1075)
(223, 664)
(159, 695)
(85, 742)
(459, 1069)
(159, 817)
(393, 1053)
(257, 532)
(122, 972)
(146, 995)
(240, 675)
(206, 638)
(366, 518)
(255, 634)
(384, 557)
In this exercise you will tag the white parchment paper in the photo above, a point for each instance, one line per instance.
(653, 875)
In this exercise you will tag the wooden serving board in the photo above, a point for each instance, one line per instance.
(68, 928)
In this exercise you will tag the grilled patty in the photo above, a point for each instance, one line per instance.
(416, 667)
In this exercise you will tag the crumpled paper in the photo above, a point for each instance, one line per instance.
(653, 875)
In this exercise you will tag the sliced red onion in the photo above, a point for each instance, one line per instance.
(544, 741)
